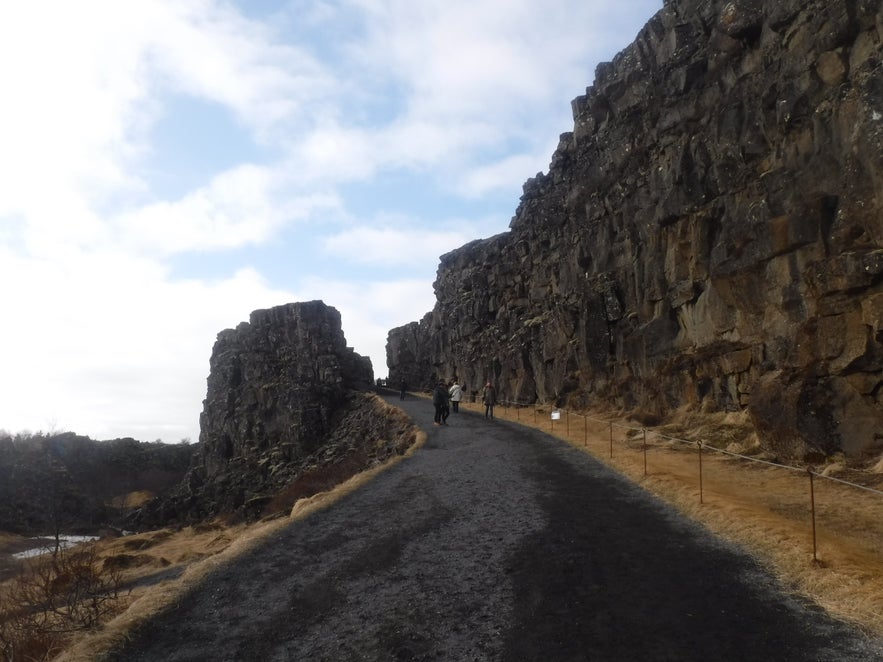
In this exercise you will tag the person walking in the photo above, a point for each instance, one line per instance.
(489, 398)
(456, 393)
(440, 402)
(402, 389)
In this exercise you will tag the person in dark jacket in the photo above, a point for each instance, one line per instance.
(489, 398)
(440, 402)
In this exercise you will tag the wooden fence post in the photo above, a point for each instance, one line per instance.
(699, 443)
(611, 440)
(812, 506)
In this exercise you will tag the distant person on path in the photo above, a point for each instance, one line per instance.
(489, 398)
(403, 388)
(456, 395)
(440, 402)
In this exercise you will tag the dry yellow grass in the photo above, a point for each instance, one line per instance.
(765, 509)
(10, 544)
(132, 499)
(195, 552)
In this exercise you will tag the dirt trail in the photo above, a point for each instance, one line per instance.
(765, 508)
(494, 542)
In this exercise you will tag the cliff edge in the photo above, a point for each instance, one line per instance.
(287, 414)
(707, 236)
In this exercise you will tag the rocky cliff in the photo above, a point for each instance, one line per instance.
(286, 415)
(277, 381)
(708, 235)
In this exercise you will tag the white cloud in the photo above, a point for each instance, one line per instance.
(392, 247)
(498, 175)
(71, 100)
(478, 100)
(105, 345)
(209, 50)
(488, 83)
(467, 59)
(83, 89)
(98, 336)
(333, 153)
(370, 309)
(242, 206)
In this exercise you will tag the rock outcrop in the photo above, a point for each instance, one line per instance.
(708, 235)
(277, 382)
(286, 415)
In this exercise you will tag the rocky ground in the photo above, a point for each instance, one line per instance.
(495, 542)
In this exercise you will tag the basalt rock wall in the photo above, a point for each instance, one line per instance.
(287, 414)
(277, 382)
(708, 235)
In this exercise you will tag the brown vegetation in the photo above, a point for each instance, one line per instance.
(55, 596)
(158, 566)
(764, 508)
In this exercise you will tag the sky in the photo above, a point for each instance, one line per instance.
(169, 166)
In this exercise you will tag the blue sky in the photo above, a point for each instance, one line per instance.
(168, 166)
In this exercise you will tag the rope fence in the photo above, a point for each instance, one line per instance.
(559, 422)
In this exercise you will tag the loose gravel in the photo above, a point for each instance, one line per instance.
(494, 542)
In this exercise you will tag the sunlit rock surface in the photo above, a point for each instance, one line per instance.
(277, 381)
(708, 234)
(287, 414)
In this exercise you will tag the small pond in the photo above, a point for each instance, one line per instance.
(45, 545)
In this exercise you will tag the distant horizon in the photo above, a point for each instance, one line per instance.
(169, 167)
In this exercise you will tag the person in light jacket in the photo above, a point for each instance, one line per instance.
(489, 398)
(456, 395)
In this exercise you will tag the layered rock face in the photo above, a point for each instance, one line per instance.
(407, 355)
(285, 416)
(708, 235)
(276, 382)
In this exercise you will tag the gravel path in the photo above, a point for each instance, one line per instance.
(494, 542)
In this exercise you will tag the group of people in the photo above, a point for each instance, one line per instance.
(442, 399)
(447, 397)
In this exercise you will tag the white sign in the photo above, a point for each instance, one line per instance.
(556, 415)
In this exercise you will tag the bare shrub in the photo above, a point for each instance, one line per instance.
(56, 594)
(318, 479)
